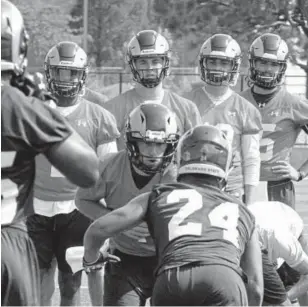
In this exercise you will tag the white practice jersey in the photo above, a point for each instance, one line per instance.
(279, 228)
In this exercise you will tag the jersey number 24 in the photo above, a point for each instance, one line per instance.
(224, 216)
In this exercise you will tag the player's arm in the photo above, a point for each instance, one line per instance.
(113, 223)
(90, 201)
(290, 249)
(75, 159)
(251, 164)
(251, 263)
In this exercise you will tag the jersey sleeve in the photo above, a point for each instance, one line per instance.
(288, 248)
(252, 123)
(108, 130)
(99, 190)
(116, 106)
(300, 110)
(31, 122)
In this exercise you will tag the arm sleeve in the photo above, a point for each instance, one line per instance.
(107, 131)
(251, 158)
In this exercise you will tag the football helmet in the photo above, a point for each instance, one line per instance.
(66, 69)
(269, 47)
(224, 47)
(14, 39)
(148, 44)
(204, 150)
(151, 123)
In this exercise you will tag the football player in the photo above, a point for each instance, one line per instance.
(28, 128)
(282, 113)
(57, 224)
(282, 238)
(200, 232)
(219, 60)
(151, 138)
(148, 56)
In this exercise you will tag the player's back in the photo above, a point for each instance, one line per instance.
(202, 225)
(27, 128)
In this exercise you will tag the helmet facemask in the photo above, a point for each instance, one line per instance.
(158, 137)
(266, 79)
(66, 81)
(220, 77)
(160, 73)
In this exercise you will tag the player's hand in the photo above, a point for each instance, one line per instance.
(286, 170)
(138, 233)
(99, 262)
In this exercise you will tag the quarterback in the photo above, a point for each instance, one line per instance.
(57, 224)
(148, 56)
(219, 60)
(151, 138)
(283, 116)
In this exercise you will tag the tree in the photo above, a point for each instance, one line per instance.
(192, 21)
(111, 23)
(47, 24)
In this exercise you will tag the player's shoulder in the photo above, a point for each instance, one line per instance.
(180, 100)
(121, 99)
(113, 162)
(99, 111)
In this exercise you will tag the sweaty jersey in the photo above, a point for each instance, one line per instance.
(237, 117)
(187, 115)
(204, 225)
(28, 127)
(96, 126)
(282, 118)
(279, 228)
(117, 187)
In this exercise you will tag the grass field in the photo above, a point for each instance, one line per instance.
(298, 157)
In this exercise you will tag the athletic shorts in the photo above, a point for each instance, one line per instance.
(274, 289)
(53, 235)
(129, 282)
(20, 275)
(199, 285)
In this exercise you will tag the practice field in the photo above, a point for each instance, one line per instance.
(298, 157)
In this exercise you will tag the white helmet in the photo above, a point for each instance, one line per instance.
(145, 44)
(66, 69)
(269, 47)
(14, 39)
(220, 46)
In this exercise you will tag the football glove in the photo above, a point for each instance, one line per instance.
(99, 263)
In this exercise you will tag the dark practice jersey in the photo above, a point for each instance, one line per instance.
(28, 127)
(204, 225)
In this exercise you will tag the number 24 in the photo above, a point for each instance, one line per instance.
(216, 216)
